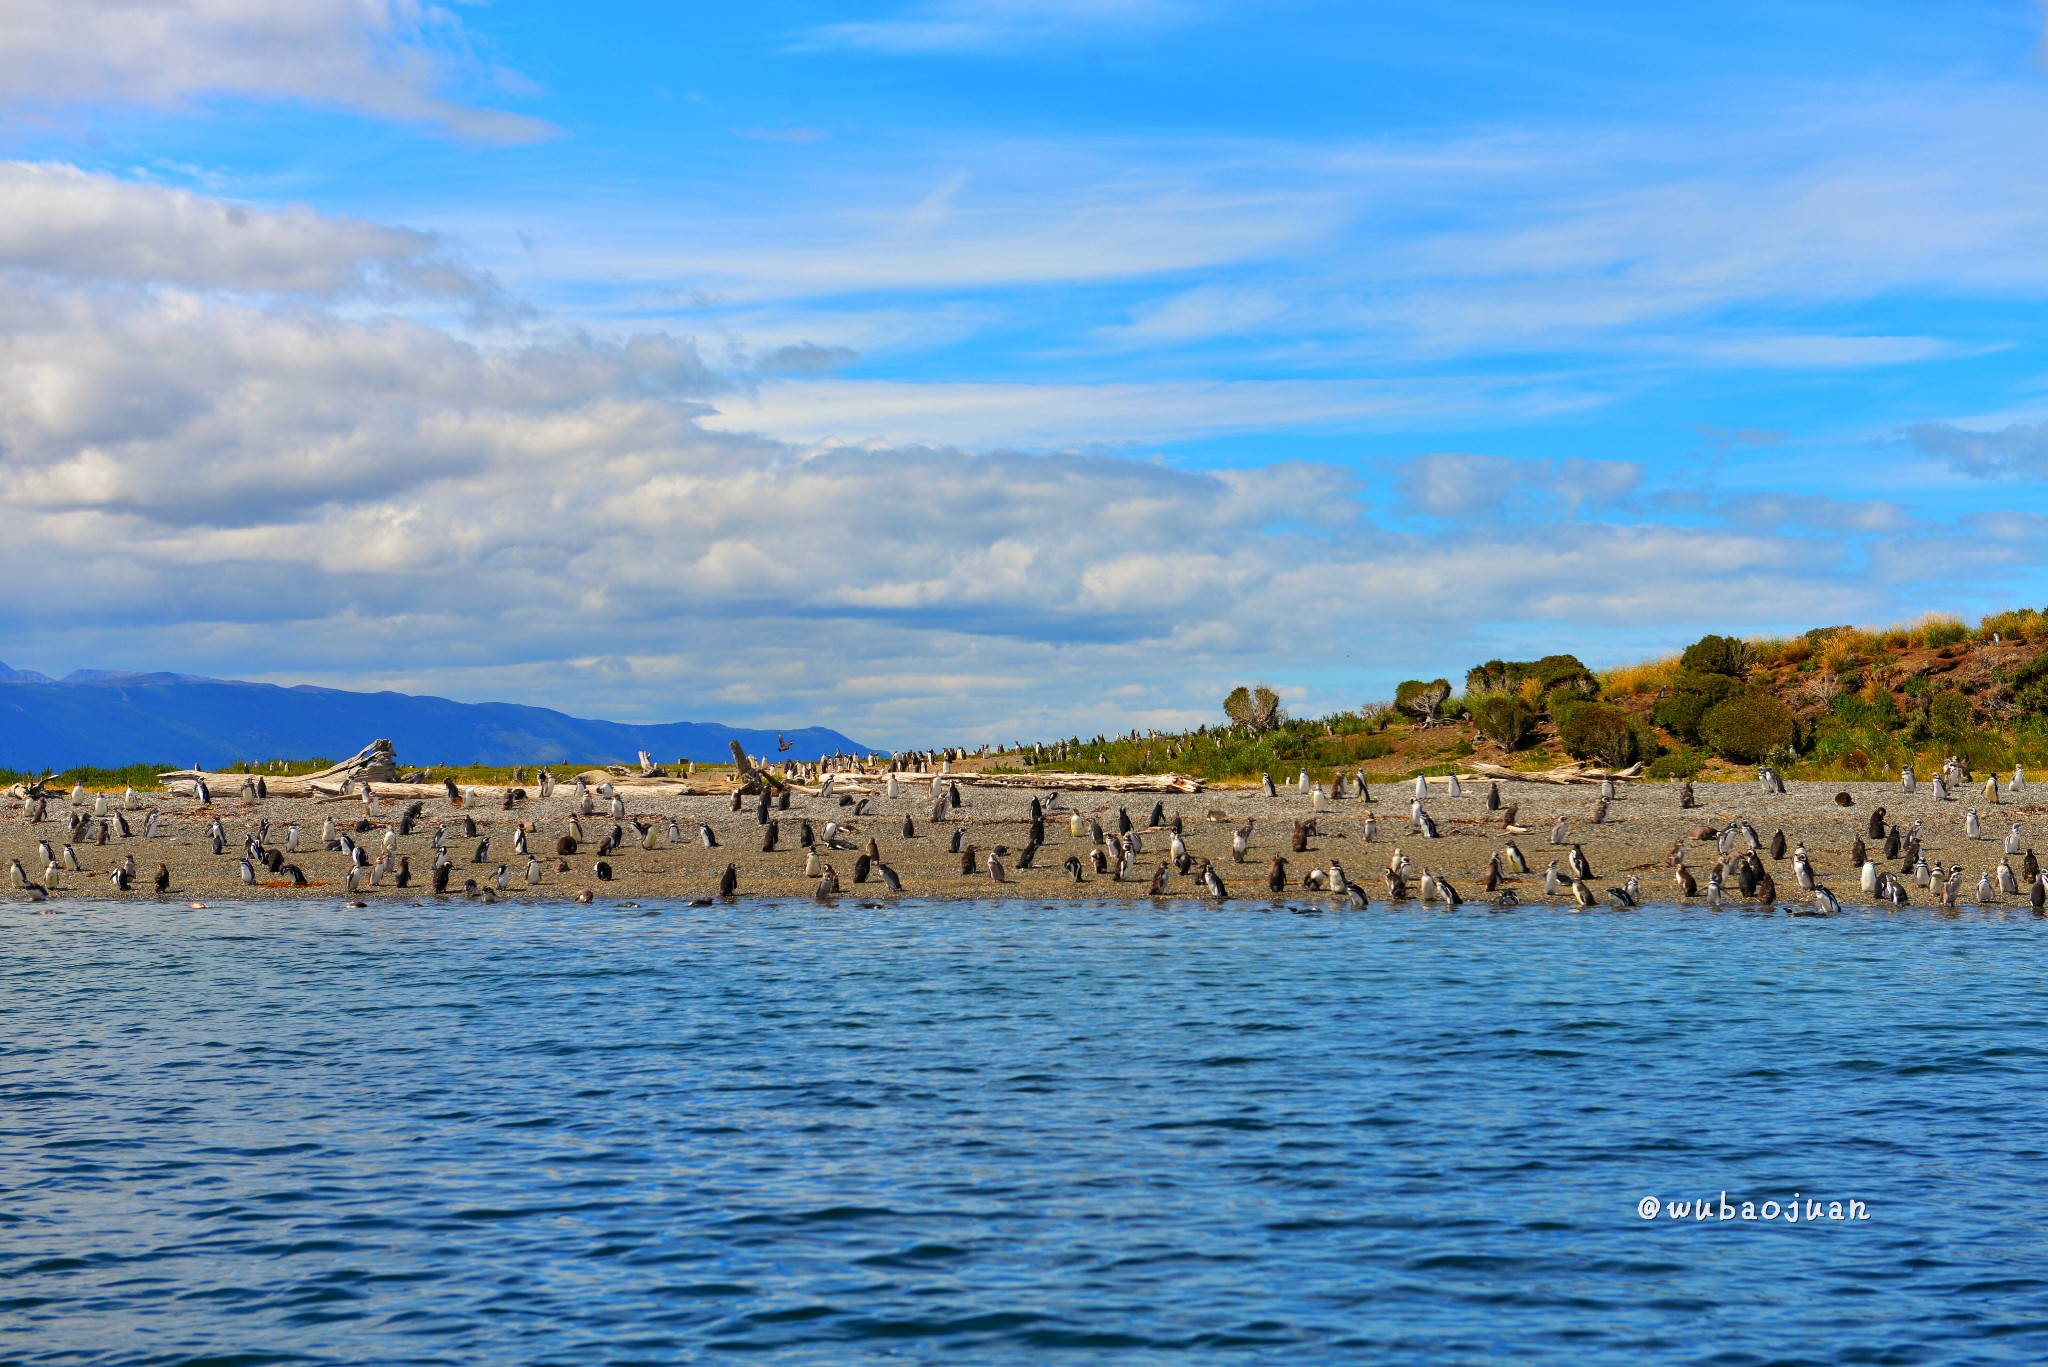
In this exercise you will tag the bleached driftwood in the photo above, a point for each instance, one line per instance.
(869, 786)
(1567, 773)
(375, 763)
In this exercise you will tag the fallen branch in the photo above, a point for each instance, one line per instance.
(1569, 773)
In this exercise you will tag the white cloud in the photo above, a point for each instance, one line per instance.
(1053, 415)
(387, 58)
(2015, 449)
(220, 481)
(980, 25)
(58, 220)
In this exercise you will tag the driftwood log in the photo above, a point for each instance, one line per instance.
(870, 784)
(375, 763)
(1568, 773)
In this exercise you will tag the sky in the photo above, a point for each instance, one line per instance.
(946, 372)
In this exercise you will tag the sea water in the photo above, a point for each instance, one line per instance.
(458, 1133)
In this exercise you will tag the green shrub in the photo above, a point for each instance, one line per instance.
(1677, 764)
(1555, 671)
(1502, 718)
(1597, 731)
(1715, 655)
(1750, 727)
(1948, 716)
(1946, 631)
(1257, 709)
(1422, 699)
(1692, 697)
(1491, 677)
(1564, 704)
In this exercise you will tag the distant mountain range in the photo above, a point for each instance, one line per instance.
(107, 718)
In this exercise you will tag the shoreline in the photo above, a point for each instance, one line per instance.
(1645, 822)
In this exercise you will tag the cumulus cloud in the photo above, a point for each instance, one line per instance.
(387, 58)
(60, 221)
(225, 481)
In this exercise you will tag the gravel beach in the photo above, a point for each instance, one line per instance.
(1644, 823)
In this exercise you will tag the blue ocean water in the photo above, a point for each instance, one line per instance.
(991, 1132)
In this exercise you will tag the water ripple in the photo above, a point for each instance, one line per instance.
(256, 1134)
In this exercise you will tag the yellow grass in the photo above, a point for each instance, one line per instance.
(1629, 680)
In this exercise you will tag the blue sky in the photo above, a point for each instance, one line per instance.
(996, 369)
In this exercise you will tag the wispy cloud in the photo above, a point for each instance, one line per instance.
(387, 58)
(2017, 449)
(987, 25)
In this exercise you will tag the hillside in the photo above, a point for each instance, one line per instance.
(1834, 702)
(97, 718)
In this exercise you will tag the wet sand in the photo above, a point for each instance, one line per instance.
(1644, 822)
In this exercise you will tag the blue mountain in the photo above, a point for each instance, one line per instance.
(100, 717)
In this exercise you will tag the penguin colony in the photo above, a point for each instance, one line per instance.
(1944, 841)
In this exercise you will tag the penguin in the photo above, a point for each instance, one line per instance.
(1778, 844)
(532, 871)
(1557, 832)
(1276, 875)
(440, 875)
(1073, 867)
(1211, 883)
(248, 872)
(1582, 896)
(1825, 901)
(995, 868)
(968, 860)
(1240, 841)
(1493, 797)
(1516, 859)
(1766, 888)
(707, 835)
(483, 852)
(889, 878)
(602, 870)
(1575, 859)
(1370, 831)
(1973, 827)
(404, 876)
(1877, 823)
(729, 881)
(2012, 839)
(1551, 882)
(771, 834)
